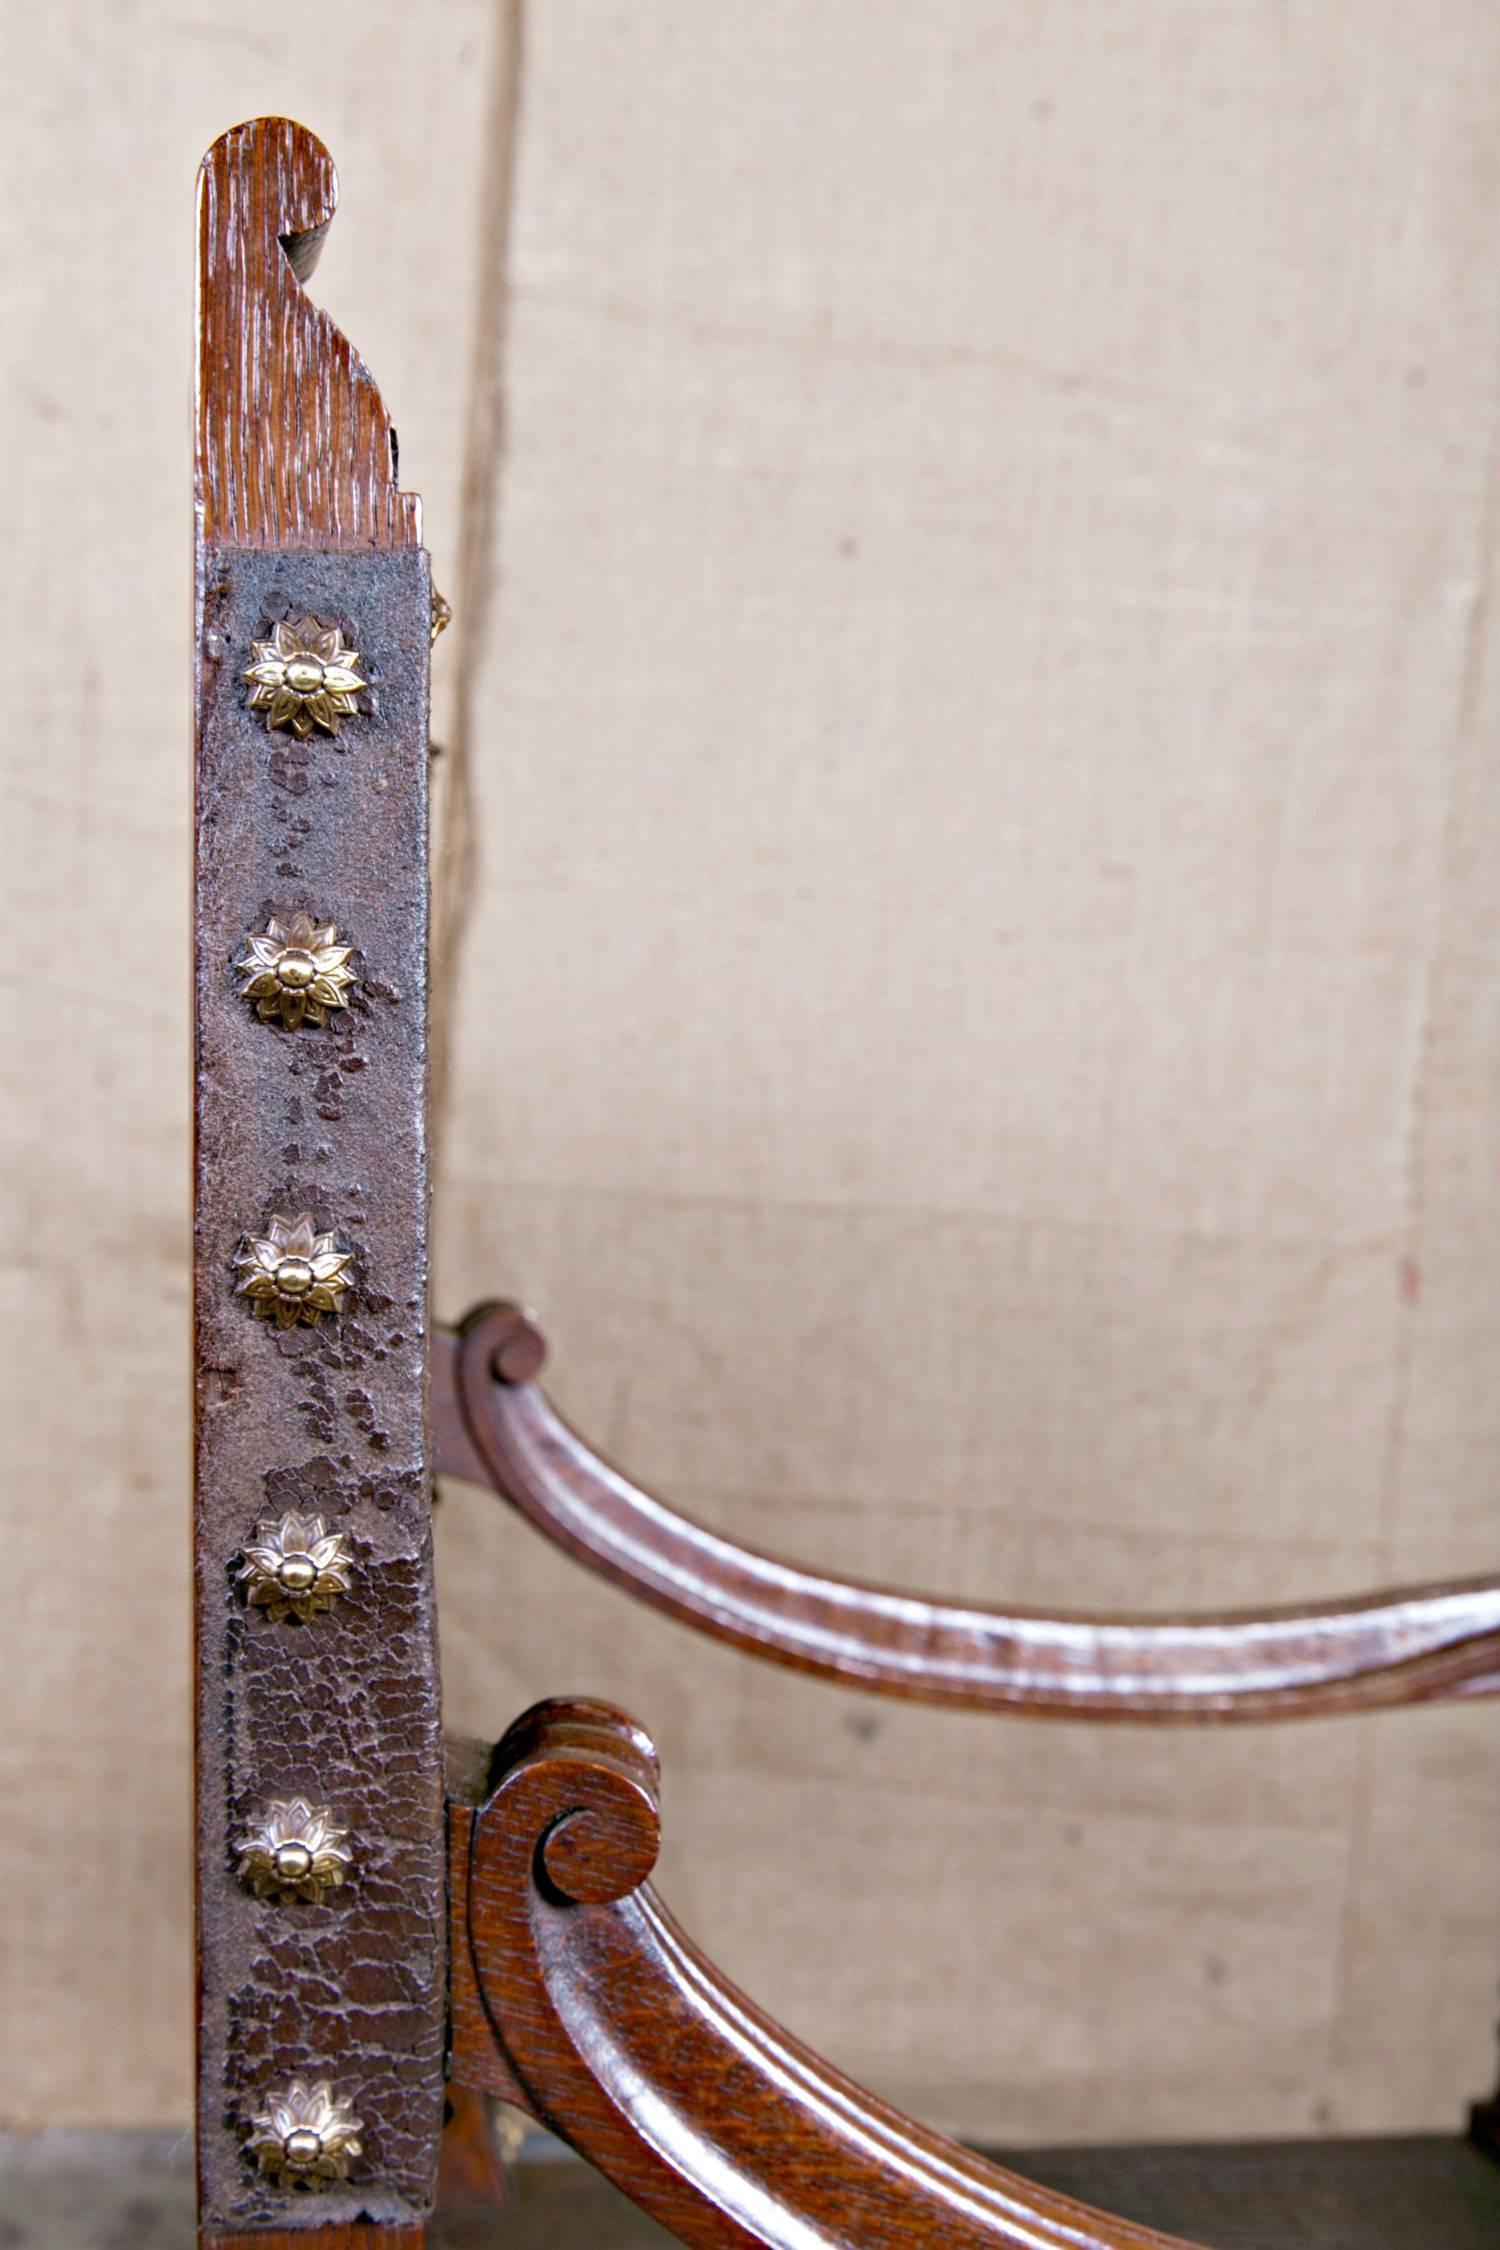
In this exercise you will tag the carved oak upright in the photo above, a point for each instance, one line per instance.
(317, 1652)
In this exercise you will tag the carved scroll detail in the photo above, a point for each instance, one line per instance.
(495, 1427)
(621, 2037)
(295, 448)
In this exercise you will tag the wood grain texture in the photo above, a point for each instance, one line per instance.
(295, 448)
(330, 1119)
(629, 2043)
(1413, 1646)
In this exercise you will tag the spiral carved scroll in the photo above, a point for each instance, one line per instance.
(602, 2019)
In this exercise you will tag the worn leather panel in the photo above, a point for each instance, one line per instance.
(331, 1120)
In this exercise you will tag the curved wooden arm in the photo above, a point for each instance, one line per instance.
(614, 2031)
(493, 1426)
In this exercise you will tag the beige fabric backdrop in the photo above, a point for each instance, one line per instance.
(970, 893)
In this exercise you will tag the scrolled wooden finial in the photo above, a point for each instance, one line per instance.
(504, 1340)
(577, 1997)
(295, 448)
(581, 1778)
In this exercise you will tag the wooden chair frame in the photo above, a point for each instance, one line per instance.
(386, 1924)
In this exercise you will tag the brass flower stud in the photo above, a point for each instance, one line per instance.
(291, 1849)
(307, 2135)
(297, 971)
(304, 677)
(292, 1273)
(296, 1567)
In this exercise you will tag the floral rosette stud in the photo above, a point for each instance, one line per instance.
(291, 1849)
(304, 677)
(292, 1272)
(296, 1567)
(306, 2136)
(297, 970)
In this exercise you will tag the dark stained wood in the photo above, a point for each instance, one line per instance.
(476, 2063)
(471, 2176)
(560, 2205)
(295, 448)
(628, 2043)
(330, 1120)
(494, 1426)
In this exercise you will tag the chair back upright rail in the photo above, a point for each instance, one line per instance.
(322, 1926)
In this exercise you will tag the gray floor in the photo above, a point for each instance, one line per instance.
(85, 2191)
(78, 2191)
(134, 2191)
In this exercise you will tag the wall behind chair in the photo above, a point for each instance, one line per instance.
(969, 877)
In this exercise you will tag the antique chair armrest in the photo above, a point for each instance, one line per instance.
(577, 1997)
(494, 1426)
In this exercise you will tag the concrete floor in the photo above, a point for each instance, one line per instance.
(80, 2191)
(97, 2191)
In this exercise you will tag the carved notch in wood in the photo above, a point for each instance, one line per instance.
(317, 1681)
(295, 448)
(583, 2002)
(493, 1426)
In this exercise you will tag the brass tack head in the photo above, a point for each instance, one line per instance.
(291, 1849)
(305, 677)
(306, 2136)
(292, 1272)
(296, 1567)
(296, 971)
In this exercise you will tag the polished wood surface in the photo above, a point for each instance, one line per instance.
(295, 448)
(493, 1425)
(627, 2042)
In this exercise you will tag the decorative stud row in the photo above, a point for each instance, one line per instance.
(291, 1849)
(304, 678)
